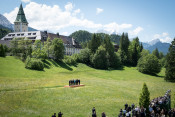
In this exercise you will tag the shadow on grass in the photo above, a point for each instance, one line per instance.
(119, 68)
(37, 88)
(59, 63)
(152, 74)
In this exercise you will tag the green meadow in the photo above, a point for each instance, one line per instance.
(31, 93)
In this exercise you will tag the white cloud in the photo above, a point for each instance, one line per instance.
(64, 33)
(99, 10)
(25, 1)
(136, 31)
(114, 27)
(76, 12)
(53, 18)
(164, 37)
(69, 6)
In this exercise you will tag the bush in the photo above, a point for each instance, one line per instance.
(84, 56)
(70, 60)
(2, 51)
(100, 59)
(149, 64)
(116, 61)
(33, 63)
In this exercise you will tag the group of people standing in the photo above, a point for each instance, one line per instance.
(74, 82)
(59, 114)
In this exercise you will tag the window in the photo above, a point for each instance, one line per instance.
(18, 34)
(9, 35)
(22, 34)
(34, 33)
(29, 33)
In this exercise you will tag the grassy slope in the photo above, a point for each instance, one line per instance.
(41, 93)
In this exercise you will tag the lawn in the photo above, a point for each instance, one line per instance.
(33, 93)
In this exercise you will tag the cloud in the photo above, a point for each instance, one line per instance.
(76, 12)
(164, 37)
(55, 19)
(99, 10)
(136, 31)
(64, 33)
(25, 1)
(69, 6)
(114, 27)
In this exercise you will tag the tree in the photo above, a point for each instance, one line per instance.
(81, 36)
(123, 48)
(25, 48)
(14, 47)
(144, 99)
(2, 51)
(94, 43)
(58, 49)
(48, 46)
(135, 56)
(156, 53)
(84, 56)
(114, 60)
(149, 64)
(170, 63)
(100, 58)
(38, 51)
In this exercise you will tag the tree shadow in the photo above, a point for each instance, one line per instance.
(61, 64)
(118, 68)
(46, 64)
(153, 74)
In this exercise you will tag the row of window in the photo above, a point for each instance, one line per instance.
(22, 34)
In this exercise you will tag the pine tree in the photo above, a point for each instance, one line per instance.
(135, 55)
(141, 47)
(94, 43)
(170, 63)
(156, 53)
(144, 98)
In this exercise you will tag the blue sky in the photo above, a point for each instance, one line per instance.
(147, 19)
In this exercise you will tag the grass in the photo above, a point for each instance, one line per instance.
(33, 93)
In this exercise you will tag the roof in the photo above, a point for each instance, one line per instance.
(21, 16)
(32, 35)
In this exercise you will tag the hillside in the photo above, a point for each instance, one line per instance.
(41, 93)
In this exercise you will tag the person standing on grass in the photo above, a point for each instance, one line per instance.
(126, 106)
(103, 114)
(94, 114)
(132, 106)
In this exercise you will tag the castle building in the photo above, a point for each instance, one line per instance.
(21, 31)
(21, 24)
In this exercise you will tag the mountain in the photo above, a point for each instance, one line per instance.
(4, 22)
(152, 45)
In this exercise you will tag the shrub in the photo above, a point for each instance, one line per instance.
(33, 63)
(100, 59)
(116, 61)
(70, 60)
(2, 51)
(84, 56)
(149, 64)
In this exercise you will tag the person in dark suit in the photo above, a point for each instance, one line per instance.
(126, 106)
(103, 114)
(69, 82)
(60, 114)
(93, 110)
(94, 114)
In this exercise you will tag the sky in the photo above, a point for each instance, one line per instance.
(147, 19)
